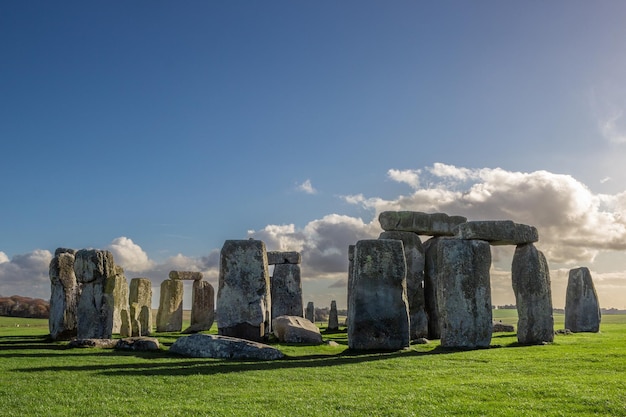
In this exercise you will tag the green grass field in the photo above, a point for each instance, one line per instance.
(579, 375)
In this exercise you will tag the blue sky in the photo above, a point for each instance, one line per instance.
(160, 129)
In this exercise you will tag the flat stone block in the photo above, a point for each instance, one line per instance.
(497, 232)
(277, 257)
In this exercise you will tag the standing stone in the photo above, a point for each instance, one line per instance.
(286, 290)
(140, 300)
(310, 312)
(116, 295)
(378, 312)
(170, 313)
(582, 308)
(464, 293)
(63, 295)
(533, 296)
(414, 254)
(333, 318)
(430, 286)
(351, 249)
(202, 307)
(243, 296)
(93, 268)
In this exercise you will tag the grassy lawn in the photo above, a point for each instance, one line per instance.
(582, 374)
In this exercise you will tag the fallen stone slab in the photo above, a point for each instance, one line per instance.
(186, 275)
(92, 343)
(497, 232)
(277, 258)
(433, 224)
(501, 327)
(138, 344)
(295, 329)
(223, 347)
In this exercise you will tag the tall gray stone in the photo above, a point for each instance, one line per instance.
(351, 249)
(116, 295)
(531, 284)
(333, 317)
(202, 307)
(140, 300)
(497, 232)
(170, 314)
(63, 296)
(464, 293)
(243, 296)
(286, 290)
(582, 308)
(93, 268)
(430, 286)
(310, 312)
(433, 224)
(414, 254)
(378, 311)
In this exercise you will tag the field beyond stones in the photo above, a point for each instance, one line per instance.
(582, 374)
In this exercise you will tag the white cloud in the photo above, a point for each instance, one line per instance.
(3, 257)
(26, 274)
(613, 127)
(605, 180)
(408, 176)
(129, 255)
(307, 187)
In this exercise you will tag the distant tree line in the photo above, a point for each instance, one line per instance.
(18, 306)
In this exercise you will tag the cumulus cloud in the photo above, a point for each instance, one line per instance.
(407, 176)
(26, 274)
(129, 255)
(307, 187)
(3, 257)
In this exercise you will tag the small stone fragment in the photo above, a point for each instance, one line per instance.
(294, 329)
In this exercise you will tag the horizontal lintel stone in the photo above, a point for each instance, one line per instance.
(278, 257)
(497, 232)
(433, 224)
(186, 275)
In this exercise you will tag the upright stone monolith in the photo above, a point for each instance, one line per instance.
(430, 286)
(582, 308)
(140, 300)
(243, 297)
(116, 295)
(533, 296)
(414, 254)
(310, 312)
(286, 284)
(63, 295)
(378, 311)
(93, 268)
(202, 307)
(170, 314)
(351, 249)
(464, 293)
(333, 317)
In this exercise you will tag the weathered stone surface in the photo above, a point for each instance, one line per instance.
(310, 312)
(430, 286)
(286, 289)
(92, 343)
(59, 251)
(501, 327)
(170, 314)
(530, 276)
(295, 329)
(223, 347)
(582, 308)
(186, 275)
(333, 318)
(277, 258)
(497, 232)
(202, 307)
(243, 297)
(464, 293)
(63, 296)
(138, 344)
(378, 311)
(116, 296)
(351, 249)
(95, 311)
(433, 224)
(140, 300)
(414, 255)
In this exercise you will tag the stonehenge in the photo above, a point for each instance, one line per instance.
(63, 295)
(170, 314)
(140, 300)
(582, 309)
(285, 283)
